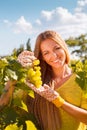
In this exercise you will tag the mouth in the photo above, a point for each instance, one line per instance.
(55, 61)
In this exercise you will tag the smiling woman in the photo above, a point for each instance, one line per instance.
(59, 102)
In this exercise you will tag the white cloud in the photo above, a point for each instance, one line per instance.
(78, 9)
(22, 25)
(38, 21)
(7, 22)
(65, 22)
(47, 15)
(61, 16)
(82, 2)
(59, 19)
(81, 6)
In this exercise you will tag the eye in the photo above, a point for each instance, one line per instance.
(45, 53)
(57, 48)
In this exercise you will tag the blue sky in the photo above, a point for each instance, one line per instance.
(23, 19)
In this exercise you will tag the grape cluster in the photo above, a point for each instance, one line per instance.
(34, 74)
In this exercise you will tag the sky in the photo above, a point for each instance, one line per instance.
(24, 19)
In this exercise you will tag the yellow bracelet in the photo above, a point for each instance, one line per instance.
(58, 101)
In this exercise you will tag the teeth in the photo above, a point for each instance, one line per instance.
(56, 61)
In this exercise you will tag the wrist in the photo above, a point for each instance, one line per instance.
(58, 102)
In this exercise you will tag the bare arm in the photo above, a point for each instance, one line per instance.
(76, 112)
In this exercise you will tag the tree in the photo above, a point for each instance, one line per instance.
(28, 45)
(80, 43)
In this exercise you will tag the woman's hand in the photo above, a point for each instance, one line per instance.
(26, 58)
(44, 91)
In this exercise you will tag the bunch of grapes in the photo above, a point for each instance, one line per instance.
(34, 74)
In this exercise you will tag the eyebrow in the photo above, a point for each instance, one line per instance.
(44, 51)
(53, 48)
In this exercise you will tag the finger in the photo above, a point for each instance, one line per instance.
(31, 85)
(27, 65)
(46, 86)
(25, 53)
(26, 60)
(31, 57)
(28, 83)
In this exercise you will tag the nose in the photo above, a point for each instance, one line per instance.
(53, 56)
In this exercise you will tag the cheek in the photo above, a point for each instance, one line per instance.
(62, 54)
(46, 58)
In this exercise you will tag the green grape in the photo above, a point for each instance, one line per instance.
(38, 73)
(36, 78)
(31, 72)
(37, 68)
(34, 74)
(36, 62)
(38, 83)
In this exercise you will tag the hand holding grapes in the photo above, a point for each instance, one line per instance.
(29, 61)
(48, 93)
(26, 58)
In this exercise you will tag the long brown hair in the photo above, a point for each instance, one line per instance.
(45, 68)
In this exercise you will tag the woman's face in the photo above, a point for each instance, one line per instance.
(52, 53)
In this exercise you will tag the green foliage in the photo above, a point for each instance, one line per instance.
(80, 67)
(15, 114)
(72, 42)
(80, 43)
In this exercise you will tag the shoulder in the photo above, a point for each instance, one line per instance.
(71, 82)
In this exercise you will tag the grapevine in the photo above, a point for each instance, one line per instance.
(80, 68)
(11, 69)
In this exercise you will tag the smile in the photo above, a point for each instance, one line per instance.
(56, 61)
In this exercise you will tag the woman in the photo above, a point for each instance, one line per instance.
(59, 103)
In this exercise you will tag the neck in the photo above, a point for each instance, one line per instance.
(60, 76)
(61, 72)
